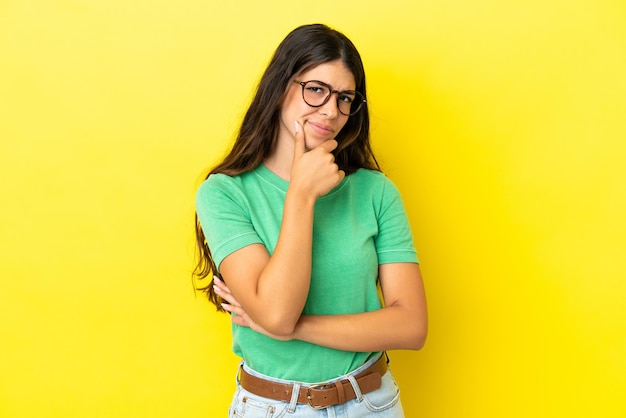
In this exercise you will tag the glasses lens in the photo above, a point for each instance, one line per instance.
(349, 102)
(315, 93)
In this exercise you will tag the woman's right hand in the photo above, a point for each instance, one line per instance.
(241, 317)
(314, 172)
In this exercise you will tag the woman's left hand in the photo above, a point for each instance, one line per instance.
(241, 317)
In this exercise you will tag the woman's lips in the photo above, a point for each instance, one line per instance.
(320, 128)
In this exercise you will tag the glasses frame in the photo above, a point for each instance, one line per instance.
(359, 99)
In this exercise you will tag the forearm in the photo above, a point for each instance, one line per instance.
(284, 282)
(393, 327)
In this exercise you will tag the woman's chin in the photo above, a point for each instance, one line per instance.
(314, 141)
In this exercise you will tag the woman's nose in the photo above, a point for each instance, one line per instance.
(330, 108)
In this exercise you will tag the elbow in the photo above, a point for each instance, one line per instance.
(279, 325)
(418, 341)
(417, 337)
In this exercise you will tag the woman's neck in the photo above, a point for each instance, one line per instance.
(280, 161)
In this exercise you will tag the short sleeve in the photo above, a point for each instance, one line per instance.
(394, 241)
(224, 215)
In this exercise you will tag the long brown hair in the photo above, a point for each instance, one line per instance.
(304, 48)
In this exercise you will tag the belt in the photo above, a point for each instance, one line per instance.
(318, 396)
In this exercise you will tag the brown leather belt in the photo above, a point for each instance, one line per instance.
(317, 396)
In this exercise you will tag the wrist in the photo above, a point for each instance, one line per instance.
(299, 197)
(298, 331)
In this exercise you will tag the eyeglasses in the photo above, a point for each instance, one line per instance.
(317, 93)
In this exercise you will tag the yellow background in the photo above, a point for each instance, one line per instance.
(502, 122)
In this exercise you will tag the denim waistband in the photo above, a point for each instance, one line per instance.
(305, 384)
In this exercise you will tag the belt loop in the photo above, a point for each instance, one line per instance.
(341, 394)
(355, 386)
(295, 392)
(239, 369)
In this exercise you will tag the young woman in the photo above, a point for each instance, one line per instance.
(302, 227)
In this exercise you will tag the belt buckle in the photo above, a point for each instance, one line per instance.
(309, 399)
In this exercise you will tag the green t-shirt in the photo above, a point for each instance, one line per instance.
(358, 225)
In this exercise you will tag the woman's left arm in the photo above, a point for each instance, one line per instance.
(401, 324)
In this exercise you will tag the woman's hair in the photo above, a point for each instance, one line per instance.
(303, 49)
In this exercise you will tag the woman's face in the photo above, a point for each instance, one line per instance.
(319, 123)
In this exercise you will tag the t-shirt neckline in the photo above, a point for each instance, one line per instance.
(282, 184)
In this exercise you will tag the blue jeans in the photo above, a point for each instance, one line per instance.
(384, 402)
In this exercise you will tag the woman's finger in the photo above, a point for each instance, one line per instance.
(227, 296)
(217, 283)
(239, 320)
(237, 310)
(240, 317)
(299, 147)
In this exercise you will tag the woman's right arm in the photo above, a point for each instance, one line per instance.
(273, 289)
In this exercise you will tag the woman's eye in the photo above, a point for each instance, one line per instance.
(316, 89)
(347, 99)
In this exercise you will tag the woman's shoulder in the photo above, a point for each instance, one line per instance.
(372, 178)
(374, 183)
(220, 184)
(215, 181)
(369, 173)
(218, 179)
